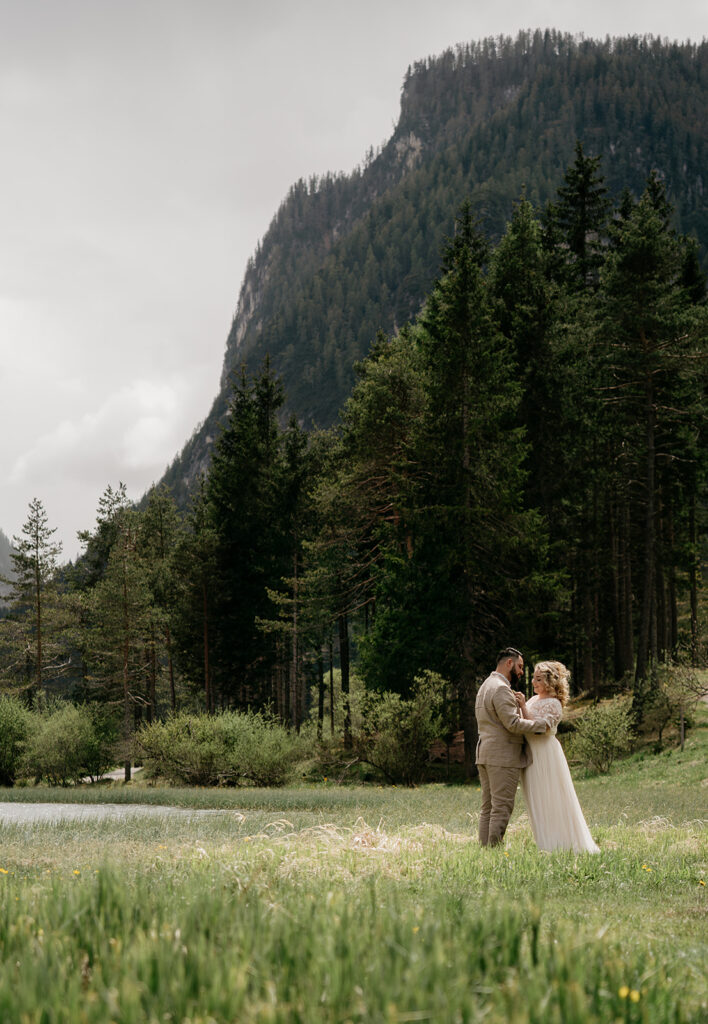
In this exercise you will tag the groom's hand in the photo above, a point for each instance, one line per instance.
(520, 697)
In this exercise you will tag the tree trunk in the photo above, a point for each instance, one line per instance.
(659, 648)
(617, 603)
(468, 679)
(126, 676)
(294, 689)
(693, 577)
(344, 667)
(170, 667)
(467, 696)
(587, 635)
(320, 694)
(647, 611)
(672, 624)
(38, 590)
(627, 590)
(152, 678)
(331, 685)
(208, 696)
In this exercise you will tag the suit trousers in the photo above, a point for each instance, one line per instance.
(499, 785)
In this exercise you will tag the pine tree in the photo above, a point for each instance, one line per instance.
(246, 512)
(31, 635)
(119, 613)
(647, 327)
(197, 586)
(581, 213)
(474, 462)
(98, 544)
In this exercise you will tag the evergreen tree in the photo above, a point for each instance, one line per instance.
(120, 616)
(98, 544)
(647, 327)
(474, 462)
(581, 213)
(252, 550)
(158, 537)
(33, 638)
(196, 584)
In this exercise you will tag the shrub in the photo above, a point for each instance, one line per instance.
(99, 749)
(64, 745)
(602, 734)
(397, 733)
(263, 751)
(14, 729)
(186, 748)
(231, 747)
(682, 688)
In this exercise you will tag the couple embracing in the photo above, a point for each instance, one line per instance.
(519, 739)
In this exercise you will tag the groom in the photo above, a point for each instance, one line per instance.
(501, 751)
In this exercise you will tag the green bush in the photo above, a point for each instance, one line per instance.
(15, 722)
(397, 733)
(65, 744)
(228, 748)
(186, 748)
(263, 752)
(602, 734)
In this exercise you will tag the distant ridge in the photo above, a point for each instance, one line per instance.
(347, 255)
(5, 561)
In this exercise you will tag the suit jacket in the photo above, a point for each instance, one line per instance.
(501, 725)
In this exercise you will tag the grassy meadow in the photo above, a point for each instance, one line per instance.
(328, 903)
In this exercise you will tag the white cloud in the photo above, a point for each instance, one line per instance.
(130, 432)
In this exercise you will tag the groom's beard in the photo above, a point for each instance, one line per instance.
(516, 677)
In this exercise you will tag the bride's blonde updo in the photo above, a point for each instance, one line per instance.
(555, 678)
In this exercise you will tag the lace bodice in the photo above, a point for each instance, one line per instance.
(546, 709)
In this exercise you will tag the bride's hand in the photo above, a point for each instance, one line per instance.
(520, 698)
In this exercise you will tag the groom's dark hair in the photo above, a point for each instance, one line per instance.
(508, 652)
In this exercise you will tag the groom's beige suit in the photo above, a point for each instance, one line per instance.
(501, 754)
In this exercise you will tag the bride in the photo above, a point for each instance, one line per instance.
(556, 819)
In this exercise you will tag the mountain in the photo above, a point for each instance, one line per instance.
(347, 255)
(5, 562)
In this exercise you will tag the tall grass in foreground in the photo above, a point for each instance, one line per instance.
(356, 924)
(209, 944)
(287, 906)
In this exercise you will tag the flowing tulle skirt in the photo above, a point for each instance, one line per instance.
(556, 818)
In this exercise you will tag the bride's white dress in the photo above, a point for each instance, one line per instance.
(556, 819)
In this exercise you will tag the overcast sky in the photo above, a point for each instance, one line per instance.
(145, 146)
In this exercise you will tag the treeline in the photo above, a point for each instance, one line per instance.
(346, 256)
(524, 462)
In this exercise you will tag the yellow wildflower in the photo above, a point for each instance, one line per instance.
(76, 871)
(634, 995)
(701, 882)
(623, 991)
(4, 871)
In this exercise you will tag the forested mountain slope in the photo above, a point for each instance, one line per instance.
(348, 255)
(5, 562)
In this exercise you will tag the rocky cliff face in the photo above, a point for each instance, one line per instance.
(347, 255)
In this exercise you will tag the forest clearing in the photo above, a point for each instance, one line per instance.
(354, 903)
